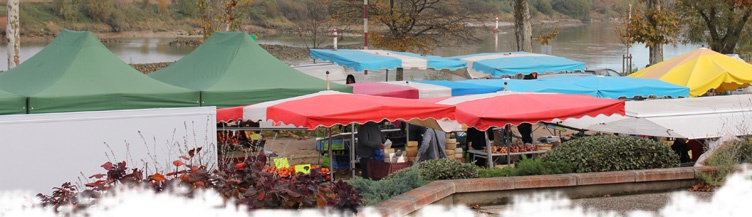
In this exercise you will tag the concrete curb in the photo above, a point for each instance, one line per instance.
(437, 191)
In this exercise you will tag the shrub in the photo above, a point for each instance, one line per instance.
(725, 158)
(246, 183)
(98, 10)
(536, 166)
(527, 167)
(441, 169)
(445, 169)
(579, 9)
(377, 191)
(613, 153)
(495, 172)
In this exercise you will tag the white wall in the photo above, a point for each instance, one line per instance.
(42, 151)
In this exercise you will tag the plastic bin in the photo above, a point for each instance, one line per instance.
(339, 144)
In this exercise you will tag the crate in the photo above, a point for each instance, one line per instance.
(338, 144)
(338, 165)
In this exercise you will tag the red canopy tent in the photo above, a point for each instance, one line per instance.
(484, 111)
(329, 108)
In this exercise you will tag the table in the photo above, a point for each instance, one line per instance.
(350, 136)
(483, 154)
(378, 170)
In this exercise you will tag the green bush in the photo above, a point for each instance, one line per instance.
(725, 158)
(374, 192)
(579, 9)
(446, 169)
(99, 10)
(544, 6)
(527, 167)
(536, 166)
(441, 169)
(495, 172)
(613, 153)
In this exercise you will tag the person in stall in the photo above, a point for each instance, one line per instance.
(476, 140)
(433, 145)
(369, 138)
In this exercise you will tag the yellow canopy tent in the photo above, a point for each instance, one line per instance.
(701, 70)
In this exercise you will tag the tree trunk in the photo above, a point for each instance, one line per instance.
(522, 29)
(656, 54)
(656, 51)
(13, 34)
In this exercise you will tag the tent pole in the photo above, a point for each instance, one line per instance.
(489, 160)
(387, 75)
(352, 149)
(331, 157)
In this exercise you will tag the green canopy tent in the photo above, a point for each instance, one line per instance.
(231, 69)
(12, 103)
(76, 72)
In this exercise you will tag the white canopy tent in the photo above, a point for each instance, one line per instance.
(691, 118)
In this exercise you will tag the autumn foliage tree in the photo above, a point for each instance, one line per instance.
(654, 25)
(418, 25)
(221, 15)
(722, 24)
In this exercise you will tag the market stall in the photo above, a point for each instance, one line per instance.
(385, 89)
(616, 87)
(701, 70)
(690, 118)
(484, 111)
(361, 60)
(513, 63)
(76, 72)
(231, 69)
(330, 108)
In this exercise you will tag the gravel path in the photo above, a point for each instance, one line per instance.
(651, 202)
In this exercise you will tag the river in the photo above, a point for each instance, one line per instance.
(595, 44)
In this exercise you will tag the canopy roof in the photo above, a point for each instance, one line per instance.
(231, 69)
(384, 89)
(361, 60)
(615, 87)
(76, 72)
(701, 70)
(484, 111)
(460, 89)
(328, 108)
(517, 85)
(12, 103)
(691, 118)
(512, 63)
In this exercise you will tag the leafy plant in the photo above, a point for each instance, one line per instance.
(527, 167)
(395, 184)
(724, 159)
(445, 168)
(244, 183)
(613, 153)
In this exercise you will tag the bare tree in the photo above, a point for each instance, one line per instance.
(522, 29)
(12, 32)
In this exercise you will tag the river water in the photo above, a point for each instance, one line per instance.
(595, 44)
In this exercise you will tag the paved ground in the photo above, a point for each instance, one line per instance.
(651, 202)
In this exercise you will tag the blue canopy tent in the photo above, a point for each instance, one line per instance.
(459, 88)
(615, 87)
(361, 60)
(513, 63)
(533, 86)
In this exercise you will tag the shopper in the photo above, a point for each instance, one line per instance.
(434, 143)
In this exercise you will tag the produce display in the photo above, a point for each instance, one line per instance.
(514, 149)
(286, 172)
